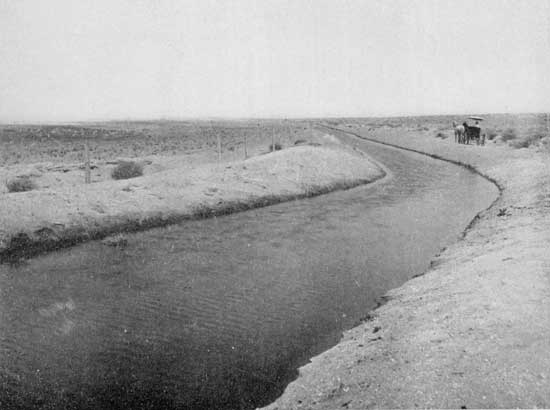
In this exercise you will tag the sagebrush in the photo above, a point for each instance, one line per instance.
(20, 184)
(491, 134)
(509, 134)
(126, 170)
(526, 142)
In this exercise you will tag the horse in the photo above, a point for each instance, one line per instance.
(460, 132)
(467, 136)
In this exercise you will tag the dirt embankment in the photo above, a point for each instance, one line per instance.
(63, 212)
(473, 331)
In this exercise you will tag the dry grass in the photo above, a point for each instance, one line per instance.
(109, 141)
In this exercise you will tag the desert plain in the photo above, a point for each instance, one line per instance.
(472, 331)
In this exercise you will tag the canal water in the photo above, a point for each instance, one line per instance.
(220, 313)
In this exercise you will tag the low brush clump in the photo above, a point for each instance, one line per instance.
(118, 240)
(441, 135)
(126, 170)
(491, 134)
(509, 134)
(526, 142)
(20, 184)
(545, 143)
(275, 147)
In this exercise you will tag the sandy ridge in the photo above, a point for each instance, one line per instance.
(46, 219)
(474, 331)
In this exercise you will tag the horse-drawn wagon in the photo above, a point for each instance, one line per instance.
(473, 132)
(465, 133)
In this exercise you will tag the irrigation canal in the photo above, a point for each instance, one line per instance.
(220, 313)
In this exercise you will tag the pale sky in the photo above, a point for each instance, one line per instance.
(103, 59)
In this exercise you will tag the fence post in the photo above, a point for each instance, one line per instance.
(219, 148)
(289, 129)
(245, 150)
(87, 172)
(272, 138)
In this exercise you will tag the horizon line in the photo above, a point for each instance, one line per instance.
(252, 118)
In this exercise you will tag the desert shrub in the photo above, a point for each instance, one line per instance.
(441, 135)
(118, 240)
(127, 169)
(275, 147)
(525, 142)
(536, 138)
(491, 134)
(519, 143)
(509, 134)
(300, 142)
(20, 184)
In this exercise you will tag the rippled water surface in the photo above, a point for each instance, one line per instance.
(219, 313)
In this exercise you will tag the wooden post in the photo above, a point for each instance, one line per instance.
(87, 175)
(219, 142)
(219, 147)
(272, 138)
(289, 129)
(245, 150)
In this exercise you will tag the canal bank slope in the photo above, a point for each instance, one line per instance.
(474, 330)
(65, 214)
